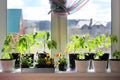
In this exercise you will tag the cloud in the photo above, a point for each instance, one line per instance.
(92, 10)
(32, 12)
(36, 13)
(105, 0)
(15, 4)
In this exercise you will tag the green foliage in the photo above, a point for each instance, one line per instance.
(80, 56)
(26, 61)
(25, 42)
(114, 38)
(51, 44)
(62, 59)
(98, 53)
(116, 54)
(48, 60)
(90, 44)
(76, 43)
(7, 47)
(43, 38)
(101, 41)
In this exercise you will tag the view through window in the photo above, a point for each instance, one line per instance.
(33, 16)
(94, 18)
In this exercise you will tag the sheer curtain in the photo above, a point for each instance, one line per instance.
(66, 6)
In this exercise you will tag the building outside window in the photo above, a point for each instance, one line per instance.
(33, 14)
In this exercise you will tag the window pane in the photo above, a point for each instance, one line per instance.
(93, 18)
(28, 16)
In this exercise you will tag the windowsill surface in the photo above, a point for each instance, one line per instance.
(60, 76)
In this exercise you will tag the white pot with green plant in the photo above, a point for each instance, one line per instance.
(7, 61)
(115, 61)
(82, 65)
(73, 46)
(76, 44)
(100, 59)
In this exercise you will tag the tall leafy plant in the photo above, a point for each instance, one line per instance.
(25, 42)
(76, 43)
(43, 38)
(7, 47)
(101, 41)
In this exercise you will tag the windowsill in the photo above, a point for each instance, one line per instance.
(60, 76)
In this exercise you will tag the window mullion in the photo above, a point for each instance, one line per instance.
(59, 31)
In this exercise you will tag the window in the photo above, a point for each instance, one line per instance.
(94, 18)
(28, 16)
(73, 21)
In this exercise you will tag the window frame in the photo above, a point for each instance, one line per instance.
(62, 34)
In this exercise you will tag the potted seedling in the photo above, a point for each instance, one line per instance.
(43, 39)
(115, 61)
(25, 44)
(100, 63)
(73, 46)
(7, 61)
(90, 46)
(102, 42)
(62, 60)
(76, 44)
(82, 64)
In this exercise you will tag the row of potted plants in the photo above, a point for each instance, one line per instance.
(87, 43)
(81, 45)
(20, 50)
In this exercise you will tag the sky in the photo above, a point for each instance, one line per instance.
(99, 10)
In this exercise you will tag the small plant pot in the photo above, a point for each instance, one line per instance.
(16, 57)
(72, 58)
(100, 66)
(90, 56)
(82, 65)
(7, 65)
(62, 66)
(115, 65)
(105, 56)
(41, 55)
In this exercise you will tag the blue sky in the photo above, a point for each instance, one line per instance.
(38, 9)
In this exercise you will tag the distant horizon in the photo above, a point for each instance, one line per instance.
(69, 19)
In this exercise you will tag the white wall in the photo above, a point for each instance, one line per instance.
(3, 6)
